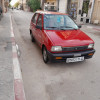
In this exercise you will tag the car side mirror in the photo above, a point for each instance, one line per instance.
(79, 26)
(39, 27)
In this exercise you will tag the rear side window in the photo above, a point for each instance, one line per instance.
(39, 22)
(34, 19)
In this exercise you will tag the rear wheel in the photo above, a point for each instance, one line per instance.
(45, 55)
(32, 38)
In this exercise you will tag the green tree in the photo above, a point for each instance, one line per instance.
(85, 7)
(34, 4)
(16, 4)
(10, 6)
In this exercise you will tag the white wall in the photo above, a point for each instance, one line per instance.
(80, 5)
(62, 6)
(20, 1)
(90, 9)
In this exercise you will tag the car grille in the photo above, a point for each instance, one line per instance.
(74, 48)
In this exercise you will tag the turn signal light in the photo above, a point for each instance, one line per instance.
(58, 57)
(90, 54)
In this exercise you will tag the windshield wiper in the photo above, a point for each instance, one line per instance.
(51, 27)
(67, 27)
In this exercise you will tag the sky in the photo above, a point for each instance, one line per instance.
(13, 2)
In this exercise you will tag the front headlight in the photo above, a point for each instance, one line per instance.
(56, 48)
(91, 46)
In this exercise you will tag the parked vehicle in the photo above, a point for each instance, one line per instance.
(59, 38)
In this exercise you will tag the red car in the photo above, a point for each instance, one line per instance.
(59, 38)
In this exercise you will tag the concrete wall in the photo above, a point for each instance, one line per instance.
(96, 11)
(25, 7)
(80, 5)
(90, 10)
(52, 1)
(24, 1)
(2, 5)
(62, 6)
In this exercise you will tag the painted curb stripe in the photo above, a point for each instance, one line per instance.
(18, 82)
(17, 72)
(19, 90)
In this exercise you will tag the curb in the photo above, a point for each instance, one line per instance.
(18, 82)
(96, 29)
(91, 27)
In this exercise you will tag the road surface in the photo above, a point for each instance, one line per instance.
(55, 81)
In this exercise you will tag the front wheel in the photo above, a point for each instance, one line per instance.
(45, 55)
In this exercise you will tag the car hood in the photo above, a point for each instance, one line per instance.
(68, 38)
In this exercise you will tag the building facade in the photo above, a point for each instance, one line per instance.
(23, 5)
(72, 7)
(86, 11)
(2, 5)
(95, 17)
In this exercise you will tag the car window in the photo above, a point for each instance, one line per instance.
(34, 19)
(39, 22)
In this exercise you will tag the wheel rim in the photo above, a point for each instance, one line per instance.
(44, 54)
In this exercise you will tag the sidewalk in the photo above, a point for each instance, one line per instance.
(95, 27)
(6, 72)
(91, 28)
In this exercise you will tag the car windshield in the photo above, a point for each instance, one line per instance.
(58, 22)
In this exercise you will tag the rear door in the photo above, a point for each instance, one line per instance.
(33, 24)
(39, 31)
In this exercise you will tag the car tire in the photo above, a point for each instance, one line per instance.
(45, 55)
(32, 38)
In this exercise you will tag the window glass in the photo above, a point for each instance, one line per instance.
(39, 22)
(34, 19)
(58, 22)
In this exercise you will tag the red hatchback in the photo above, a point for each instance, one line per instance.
(59, 38)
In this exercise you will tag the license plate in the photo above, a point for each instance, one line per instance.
(76, 59)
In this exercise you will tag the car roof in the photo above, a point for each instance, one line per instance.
(49, 12)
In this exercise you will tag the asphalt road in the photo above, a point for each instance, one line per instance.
(55, 81)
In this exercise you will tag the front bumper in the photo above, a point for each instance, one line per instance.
(64, 56)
